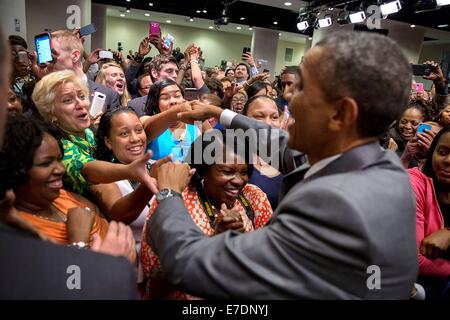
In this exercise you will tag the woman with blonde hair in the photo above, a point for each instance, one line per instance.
(112, 76)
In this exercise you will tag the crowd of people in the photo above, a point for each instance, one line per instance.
(354, 181)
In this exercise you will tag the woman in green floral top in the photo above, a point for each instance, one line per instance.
(63, 99)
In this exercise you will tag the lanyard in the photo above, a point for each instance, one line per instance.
(209, 211)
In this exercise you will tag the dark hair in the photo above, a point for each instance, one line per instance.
(252, 99)
(246, 67)
(152, 104)
(371, 69)
(157, 62)
(255, 87)
(428, 166)
(17, 40)
(226, 79)
(24, 137)
(291, 70)
(101, 151)
(201, 144)
(215, 85)
(228, 70)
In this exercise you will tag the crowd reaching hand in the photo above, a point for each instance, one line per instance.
(229, 219)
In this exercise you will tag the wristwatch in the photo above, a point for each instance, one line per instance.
(79, 245)
(167, 193)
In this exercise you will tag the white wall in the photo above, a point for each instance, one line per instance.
(299, 50)
(51, 14)
(11, 10)
(217, 46)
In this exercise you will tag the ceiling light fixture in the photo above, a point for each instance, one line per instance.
(199, 11)
(242, 18)
(442, 2)
(191, 19)
(288, 4)
(168, 21)
(357, 17)
(239, 28)
(325, 22)
(275, 22)
(413, 26)
(442, 26)
(205, 11)
(302, 25)
(147, 14)
(122, 15)
(150, 4)
(390, 8)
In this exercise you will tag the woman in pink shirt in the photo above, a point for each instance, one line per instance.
(432, 188)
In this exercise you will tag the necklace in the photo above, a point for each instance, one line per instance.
(61, 216)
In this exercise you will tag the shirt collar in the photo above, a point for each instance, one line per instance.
(320, 165)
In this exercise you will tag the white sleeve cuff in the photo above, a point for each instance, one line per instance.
(226, 117)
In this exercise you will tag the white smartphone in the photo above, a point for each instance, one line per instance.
(98, 103)
(105, 55)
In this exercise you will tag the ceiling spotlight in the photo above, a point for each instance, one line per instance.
(413, 26)
(205, 11)
(325, 22)
(442, 2)
(168, 21)
(128, 9)
(210, 27)
(279, 34)
(357, 17)
(303, 25)
(242, 18)
(191, 19)
(288, 4)
(390, 8)
(150, 4)
(199, 11)
(442, 26)
(310, 38)
(239, 28)
(122, 15)
(147, 14)
(250, 28)
(128, 0)
(275, 22)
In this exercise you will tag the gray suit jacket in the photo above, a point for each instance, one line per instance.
(112, 97)
(326, 234)
(138, 105)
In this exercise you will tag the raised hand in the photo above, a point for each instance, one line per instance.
(173, 175)
(199, 112)
(144, 47)
(229, 219)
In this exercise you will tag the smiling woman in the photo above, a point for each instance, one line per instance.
(219, 198)
(30, 165)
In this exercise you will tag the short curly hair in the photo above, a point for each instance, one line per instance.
(44, 93)
(24, 137)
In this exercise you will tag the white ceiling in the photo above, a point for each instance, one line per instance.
(135, 14)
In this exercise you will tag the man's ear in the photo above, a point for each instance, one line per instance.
(345, 113)
(154, 73)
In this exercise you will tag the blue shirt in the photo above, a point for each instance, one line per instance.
(166, 144)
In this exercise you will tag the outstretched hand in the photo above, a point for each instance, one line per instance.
(174, 175)
(138, 172)
(229, 219)
(199, 112)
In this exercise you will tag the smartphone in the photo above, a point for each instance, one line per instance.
(190, 94)
(155, 29)
(168, 41)
(87, 30)
(419, 87)
(22, 56)
(98, 103)
(43, 47)
(105, 55)
(421, 69)
(246, 50)
(423, 126)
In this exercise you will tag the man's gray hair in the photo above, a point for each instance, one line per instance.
(371, 69)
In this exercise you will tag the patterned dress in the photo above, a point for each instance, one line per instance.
(157, 286)
(77, 152)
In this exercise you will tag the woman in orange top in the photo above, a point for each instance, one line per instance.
(30, 165)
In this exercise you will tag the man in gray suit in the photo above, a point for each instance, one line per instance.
(345, 226)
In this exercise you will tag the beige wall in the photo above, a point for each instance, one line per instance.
(217, 45)
(299, 50)
(11, 10)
